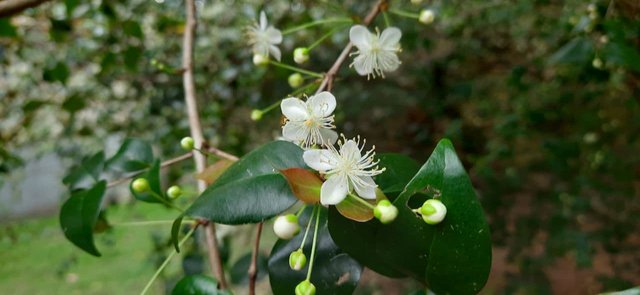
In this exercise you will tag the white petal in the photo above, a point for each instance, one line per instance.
(263, 20)
(329, 137)
(294, 109)
(363, 65)
(321, 160)
(275, 51)
(322, 104)
(365, 191)
(261, 48)
(350, 150)
(388, 61)
(334, 190)
(390, 37)
(360, 37)
(273, 35)
(294, 131)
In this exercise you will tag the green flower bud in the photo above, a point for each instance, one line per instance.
(597, 63)
(385, 212)
(295, 80)
(305, 288)
(301, 55)
(260, 60)
(187, 143)
(286, 226)
(297, 260)
(256, 115)
(433, 211)
(140, 185)
(174, 192)
(426, 16)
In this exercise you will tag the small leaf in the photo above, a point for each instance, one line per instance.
(79, 214)
(175, 232)
(58, 72)
(196, 285)
(357, 211)
(73, 103)
(134, 155)
(213, 172)
(578, 51)
(86, 174)
(304, 184)
(6, 29)
(155, 193)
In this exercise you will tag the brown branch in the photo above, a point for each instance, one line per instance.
(196, 131)
(327, 81)
(11, 7)
(253, 268)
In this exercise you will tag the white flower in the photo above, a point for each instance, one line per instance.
(426, 16)
(310, 123)
(345, 170)
(264, 38)
(377, 53)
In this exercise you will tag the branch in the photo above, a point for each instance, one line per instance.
(253, 268)
(196, 131)
(327, 82)
(11, 7)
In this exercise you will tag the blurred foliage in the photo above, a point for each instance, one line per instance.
(541, 98)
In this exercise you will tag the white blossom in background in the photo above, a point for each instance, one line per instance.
(346, 170)
(377, 53)
(310, 122)
(264, 38)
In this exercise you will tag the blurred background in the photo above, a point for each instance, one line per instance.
(540, 97)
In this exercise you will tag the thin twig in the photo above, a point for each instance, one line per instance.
(11, 7)
(196, 131)
(253, 268)
(327, 82)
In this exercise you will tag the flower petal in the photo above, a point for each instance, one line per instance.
(329, 137)
(263, 20)
(273, 35)
(294, 109)
(294, 131)
(321, 160)
(363, 64)
(334, 190)
(275, 51)
(360, 37)
(350, 150)
(390, 37)
(365, 191)
(322, 104)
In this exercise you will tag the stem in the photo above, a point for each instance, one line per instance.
(150, 222)
(166, 262)
(315, 23)
(313, 247)
(253, 268)
(196, 130)
(361, 201)
(164, 201)
(325, 36)
(295, 69)
(271, 107)
(327, 82)
(387, 22)
(404, 13)
(306, 232)
(304, 88)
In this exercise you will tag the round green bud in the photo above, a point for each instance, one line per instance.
(140, 185)
(295, 80)
(297, 260)
(187, 143)
(385, 212)
(260, 60)
(256, 115)
(597, 63)
(174, 192)
(427, 16)
(301, 55)
(286, 226)
(433, 211)
(305, 288)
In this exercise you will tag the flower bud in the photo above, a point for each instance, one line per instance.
(426, 16)
(301, 55)
(297, 260)
(140, 185)
(260, 60)
(174, 192)
(597, 63)
(433, 211)
(305, 288)
(385, 212)
(256, 115)
(295, 80)
(286, 226)
(187, 143)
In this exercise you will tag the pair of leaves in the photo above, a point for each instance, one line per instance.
(453, 257)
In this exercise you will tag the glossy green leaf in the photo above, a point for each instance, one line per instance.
(196, 285)
(155, 195)
(632, 291)
(133, 155)
(240, 270)
(79, 214)
(334, 272)
(252, 189)
(399, 170)
(86, 174)
(175, 232)
(578, 51)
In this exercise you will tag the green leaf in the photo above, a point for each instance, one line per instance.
(6, 28)
(86, 174)
(175, 232)
(79, 214)
(57, 72)
(578, 51)
(399, 170)
(632, 291)
(252, 189)
(196, 285)
(240, 270)
(461, 249)
(621, 54)
(133, 29)
(334, 272)
(134, 154)
(132, 56)
(155, 195)
(73, 103)
(357, 211)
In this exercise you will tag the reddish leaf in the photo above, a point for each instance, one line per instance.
(304, 184)
(211, 173)
(357, 211)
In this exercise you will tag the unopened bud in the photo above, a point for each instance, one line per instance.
(597, 63)
(385, 212)
(174, 192)
(286, 226)
(297, 260)
(260, 60)
(305, 288)
(140, 185)
(426, 16)
(256, 115)
(187, 143)
(433, 211)
(295, 80)
(301, 55)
